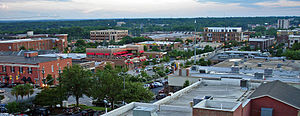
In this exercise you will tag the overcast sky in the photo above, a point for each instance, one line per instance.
(96, 9)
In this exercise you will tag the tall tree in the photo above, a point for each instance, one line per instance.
(76, 80)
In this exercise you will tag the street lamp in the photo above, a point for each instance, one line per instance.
(43, 72)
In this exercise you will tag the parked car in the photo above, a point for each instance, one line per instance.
(2, 90)
(158, 84)
(160, 96)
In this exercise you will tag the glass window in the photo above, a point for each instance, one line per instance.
(52, 68)
(12, 69)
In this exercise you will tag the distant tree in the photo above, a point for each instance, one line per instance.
(13, 107)
(80, 43)
(296, 46)
(186, 83)
(29, 89)
(155, 48)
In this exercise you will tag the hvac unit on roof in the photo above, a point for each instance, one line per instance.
(144, 111)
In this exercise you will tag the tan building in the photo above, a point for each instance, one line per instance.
(222, 34)
(108, 35)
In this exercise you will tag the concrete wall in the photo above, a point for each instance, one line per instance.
(121, 110)
(177, 94)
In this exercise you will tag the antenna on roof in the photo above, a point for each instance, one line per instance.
(195, 42)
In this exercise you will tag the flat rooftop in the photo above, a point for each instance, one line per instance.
(23, 60)
(218, 105)
(69, 55)
(26, 40)
(157, 42)
(222, 92)
(290, 65)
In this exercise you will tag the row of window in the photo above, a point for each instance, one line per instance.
(12, 69)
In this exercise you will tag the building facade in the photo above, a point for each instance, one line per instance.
(283, 23)
(283, 35)
(129, 56)
(160, 45)
(293, 39)
(222, 34)
(108, 35)
(261, 43)
(32, 41)
(30, 68)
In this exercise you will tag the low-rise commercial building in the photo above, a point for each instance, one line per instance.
(293, 39)
(283, 35)
(160, 45)
(31, 68)
(261, 43)
(32, 41)
(222, 34)
(108, 35)
(128, 56)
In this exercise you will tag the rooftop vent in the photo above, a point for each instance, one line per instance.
(144, 111)
(268, 72)
(259, 65)
(235, 69)
(258, 75)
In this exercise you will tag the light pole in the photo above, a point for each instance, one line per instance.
(43, 72)
(195, 42)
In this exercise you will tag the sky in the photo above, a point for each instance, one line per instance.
(103, 9)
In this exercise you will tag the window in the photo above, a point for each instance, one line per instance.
(3, 68)
(52, 68)
(29, 70)
(266, 111)
(12, 69)
(21, 69)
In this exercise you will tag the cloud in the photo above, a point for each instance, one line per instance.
(83, 9)
(280, 3)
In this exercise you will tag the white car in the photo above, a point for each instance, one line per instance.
(158, 84)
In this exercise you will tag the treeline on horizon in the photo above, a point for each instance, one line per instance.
(79, 29)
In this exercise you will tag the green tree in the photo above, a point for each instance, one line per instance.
(186, 83)
(50, 97)
(49, 79)
(76, 80)
(145, 48)
(155, 48)
(13, 107)
(22, 48)
(29, 89)
(296, 46)
(1, 98)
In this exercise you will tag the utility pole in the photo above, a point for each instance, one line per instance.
(195, 42)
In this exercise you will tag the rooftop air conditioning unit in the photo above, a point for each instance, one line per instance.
(144, 111)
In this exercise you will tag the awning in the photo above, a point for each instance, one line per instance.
(99, 53)
(88, 53)
(106, 54)
(142, 51)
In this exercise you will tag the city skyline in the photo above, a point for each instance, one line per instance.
(105, 9)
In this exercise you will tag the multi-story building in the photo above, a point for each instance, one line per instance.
(161, 45)
(222, 34)
(283, 23)
(108, 35)
(30, 68)
(261, 43)
(128, 56)
(283, 35)
(293, 39)
(32, 41)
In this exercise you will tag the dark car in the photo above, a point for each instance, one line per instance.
(160, 96)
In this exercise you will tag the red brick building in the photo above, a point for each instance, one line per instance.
(30, 68)
(275, 99)
(129, 55)
(261, 43)
(35, 42)
(269, 99)
(222, 34)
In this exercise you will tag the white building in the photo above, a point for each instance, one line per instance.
(283, 23)
(293, 39)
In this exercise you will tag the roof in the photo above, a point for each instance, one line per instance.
(69, 55)
(260, 39)
(26, 40)
(22, 59)
(158, 42)
(279, 91)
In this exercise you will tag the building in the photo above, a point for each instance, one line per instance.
(160, 45)
(30, 68)
(171, 36)
(261, 43)
(283, 35)
(108, 35)
(32, 41)
(128, 56)
(222, 34)
(293, 39)
(275, 99)
(283, 23)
